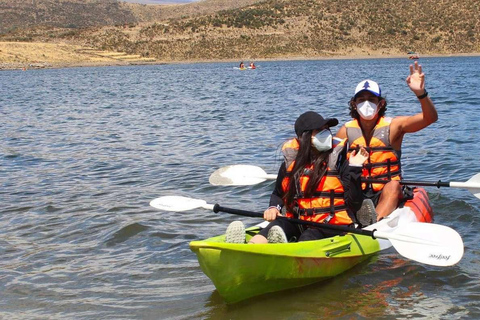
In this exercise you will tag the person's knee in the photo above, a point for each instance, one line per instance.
(393, 188)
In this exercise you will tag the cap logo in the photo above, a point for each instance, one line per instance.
(368, 85)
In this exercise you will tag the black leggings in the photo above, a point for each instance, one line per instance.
(296, 232)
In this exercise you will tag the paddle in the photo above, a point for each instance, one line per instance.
(427, 243)
(242, 175)
(239, 175)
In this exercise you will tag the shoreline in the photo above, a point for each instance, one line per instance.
(35, 64)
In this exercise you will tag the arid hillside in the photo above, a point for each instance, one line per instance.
(62, 13)
(225, 29)
(86, 13)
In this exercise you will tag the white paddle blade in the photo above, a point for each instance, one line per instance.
(475, 192)
(238, 175)
(178, 203)
(428, 243)
(475, 181)
(472, 185)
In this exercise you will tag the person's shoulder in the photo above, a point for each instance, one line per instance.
(292, 143)
(351, 123)
(342, 132)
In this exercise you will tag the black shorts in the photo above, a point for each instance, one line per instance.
(372, 195)
(292, 230)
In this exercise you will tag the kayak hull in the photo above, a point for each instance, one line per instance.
(242, 271)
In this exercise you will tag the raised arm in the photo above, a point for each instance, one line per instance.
(416, 83)
(409, 124)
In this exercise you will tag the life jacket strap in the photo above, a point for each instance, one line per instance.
(370, 149)
(338, 195)
(381, 164)
(386, 176)
(314, 211)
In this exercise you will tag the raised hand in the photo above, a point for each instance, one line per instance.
(358, 158)
(416, 79)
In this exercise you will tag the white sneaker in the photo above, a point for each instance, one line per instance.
(276, 235)
(235, 232)
(367, 214)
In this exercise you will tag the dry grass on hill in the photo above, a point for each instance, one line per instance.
(249, 29)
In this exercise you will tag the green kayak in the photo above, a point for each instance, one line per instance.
(241, 271)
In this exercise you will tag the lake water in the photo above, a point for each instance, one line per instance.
(84, 150)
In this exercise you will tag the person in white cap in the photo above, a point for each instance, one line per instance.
(383, 136)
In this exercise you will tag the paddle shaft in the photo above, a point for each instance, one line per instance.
(243, 175)
(217, 208)
(437, 184)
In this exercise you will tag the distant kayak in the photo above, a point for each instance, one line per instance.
(237, 68)
(413, 55)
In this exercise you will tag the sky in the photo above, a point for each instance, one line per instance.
(159, 1)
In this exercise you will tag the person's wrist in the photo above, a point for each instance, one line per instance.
(423, 95)
(278, 207)
(355, 164)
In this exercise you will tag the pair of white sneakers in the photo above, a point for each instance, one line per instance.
(236, 234)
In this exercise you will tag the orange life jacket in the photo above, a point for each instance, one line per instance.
(383, 161)
(327, 203)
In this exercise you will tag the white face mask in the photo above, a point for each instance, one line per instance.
(322, 141)
(367, 110)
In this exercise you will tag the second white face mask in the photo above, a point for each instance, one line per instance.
(367, 110)
(322, 141)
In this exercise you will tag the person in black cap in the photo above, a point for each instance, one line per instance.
(314, 183)
(383, 136)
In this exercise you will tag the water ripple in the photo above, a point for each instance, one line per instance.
(85, 150)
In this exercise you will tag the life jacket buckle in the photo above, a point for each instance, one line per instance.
(327, 219)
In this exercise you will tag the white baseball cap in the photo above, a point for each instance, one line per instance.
(369, 85)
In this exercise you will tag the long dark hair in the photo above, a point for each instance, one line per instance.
(353, 110)
(306, 155)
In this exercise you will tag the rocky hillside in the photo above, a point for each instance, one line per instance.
(212, 29)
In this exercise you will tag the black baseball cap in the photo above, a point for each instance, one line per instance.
(311, 120)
